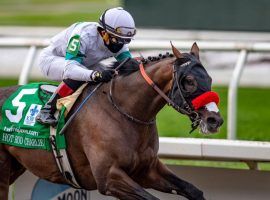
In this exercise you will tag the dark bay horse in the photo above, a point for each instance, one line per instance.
(109, 151)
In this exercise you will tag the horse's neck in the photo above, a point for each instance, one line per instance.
(138, 98)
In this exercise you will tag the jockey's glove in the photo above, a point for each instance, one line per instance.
(102, 76)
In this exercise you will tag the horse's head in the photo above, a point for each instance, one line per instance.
(188, 90)
(191, 91)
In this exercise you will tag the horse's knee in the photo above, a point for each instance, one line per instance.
(114, 188)
(102, 188)
(106, 187)
(112, 182)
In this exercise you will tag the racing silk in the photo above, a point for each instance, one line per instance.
(75, 50)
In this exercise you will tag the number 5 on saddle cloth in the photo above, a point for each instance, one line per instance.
(19, 127)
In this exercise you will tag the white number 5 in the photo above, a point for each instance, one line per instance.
(21, 105)
(74, 45)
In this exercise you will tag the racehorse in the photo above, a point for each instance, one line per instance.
(113, 142)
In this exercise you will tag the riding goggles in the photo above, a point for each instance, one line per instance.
(122, 32)
(118, 40)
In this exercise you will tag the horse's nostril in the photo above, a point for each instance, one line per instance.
(211, 120)
(214, 122)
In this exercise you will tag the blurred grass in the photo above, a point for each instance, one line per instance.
(253, 116)
(7, 82)
(52, 13)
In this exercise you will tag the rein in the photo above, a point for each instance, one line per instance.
(88, 97)
(159, 91)
(124, 113)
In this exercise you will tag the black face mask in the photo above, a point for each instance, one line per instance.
(195, 69)
(114, 48)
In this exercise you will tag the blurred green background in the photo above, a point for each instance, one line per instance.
(52, 12)
(207, 15)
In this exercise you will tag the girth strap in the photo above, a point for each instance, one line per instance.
(62, 160)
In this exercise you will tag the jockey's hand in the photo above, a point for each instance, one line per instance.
(102, 76)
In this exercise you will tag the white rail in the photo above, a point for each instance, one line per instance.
(250, 152)
(143, 44)
(232, 94)
(27, 65)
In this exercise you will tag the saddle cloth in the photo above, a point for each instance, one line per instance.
(18, 126)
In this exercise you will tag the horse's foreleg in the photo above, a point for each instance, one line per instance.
(5, 167)
(120, 185)
(162, 179)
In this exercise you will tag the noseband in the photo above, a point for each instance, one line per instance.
(185, 108)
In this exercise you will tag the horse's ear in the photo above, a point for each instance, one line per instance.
(176, 52)
(195, 50)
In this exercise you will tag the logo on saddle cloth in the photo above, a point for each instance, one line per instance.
(18, 126)
(30, 118)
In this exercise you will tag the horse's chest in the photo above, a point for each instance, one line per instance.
(142, 160)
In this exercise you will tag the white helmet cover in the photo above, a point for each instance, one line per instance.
(118, 22)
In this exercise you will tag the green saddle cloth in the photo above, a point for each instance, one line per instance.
(18, 126)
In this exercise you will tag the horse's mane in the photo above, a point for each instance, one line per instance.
(128, 68)
(133, 65)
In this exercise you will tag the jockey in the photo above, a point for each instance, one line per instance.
(74, 51)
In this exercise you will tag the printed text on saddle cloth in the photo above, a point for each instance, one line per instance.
(208, 99)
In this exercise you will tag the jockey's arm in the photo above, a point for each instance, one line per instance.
(74, 56)
(76, 71)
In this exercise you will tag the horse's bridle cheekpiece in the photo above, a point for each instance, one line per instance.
(184, 108)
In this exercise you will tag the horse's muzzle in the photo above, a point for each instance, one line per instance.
(213, 123)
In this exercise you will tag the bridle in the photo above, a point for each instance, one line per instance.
(185, 108)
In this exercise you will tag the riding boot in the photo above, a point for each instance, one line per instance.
(66, 88)
(46, 114)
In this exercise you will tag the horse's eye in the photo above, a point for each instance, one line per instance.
(189, 84)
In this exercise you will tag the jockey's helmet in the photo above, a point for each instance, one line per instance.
(118, 23)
